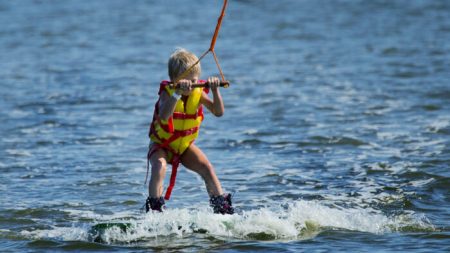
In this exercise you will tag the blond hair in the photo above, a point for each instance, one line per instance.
(180, 61)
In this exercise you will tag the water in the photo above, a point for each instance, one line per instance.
(335, 138)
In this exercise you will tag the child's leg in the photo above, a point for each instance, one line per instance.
(158, 161)
(194, 159)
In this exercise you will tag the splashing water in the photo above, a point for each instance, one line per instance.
(297, 221)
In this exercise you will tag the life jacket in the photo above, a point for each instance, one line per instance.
(178, 132)
(181, 129)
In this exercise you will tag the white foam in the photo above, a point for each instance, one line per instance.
(17, 152)
(288, 223)
(60, 233)
(87, 214)
(15, 113)
(365, 220)
(421, 183)
(438, 124)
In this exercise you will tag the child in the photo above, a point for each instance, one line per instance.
(176, 121)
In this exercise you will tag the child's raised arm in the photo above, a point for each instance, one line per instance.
(166, 105)
(215, 106)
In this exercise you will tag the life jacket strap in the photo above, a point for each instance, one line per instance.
(173, 176)
(175, 158)
(181, 115)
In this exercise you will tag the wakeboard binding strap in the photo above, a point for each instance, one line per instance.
(222, 204)
(154, 204)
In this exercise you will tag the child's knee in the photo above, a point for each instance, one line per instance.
(159, 165)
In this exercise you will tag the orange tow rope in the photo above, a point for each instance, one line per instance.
(211, 48)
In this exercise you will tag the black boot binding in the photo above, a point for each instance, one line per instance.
(222, 204)
(154, 204)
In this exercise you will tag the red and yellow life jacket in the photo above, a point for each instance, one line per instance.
(178, 132)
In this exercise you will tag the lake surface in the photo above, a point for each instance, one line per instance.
(336, 135)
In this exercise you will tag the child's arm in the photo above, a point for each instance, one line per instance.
(216, 105)
(168, 103)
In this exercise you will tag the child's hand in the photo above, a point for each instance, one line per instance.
(214, 82)
(184, 87)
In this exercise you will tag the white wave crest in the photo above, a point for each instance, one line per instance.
(297, 221)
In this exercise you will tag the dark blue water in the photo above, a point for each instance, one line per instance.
(336, 135)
